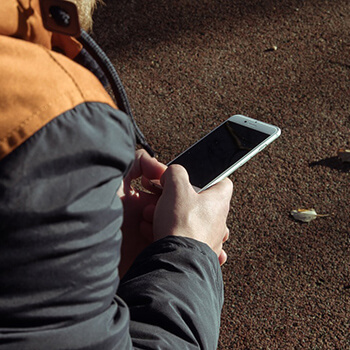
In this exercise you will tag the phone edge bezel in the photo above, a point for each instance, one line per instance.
(269, 129)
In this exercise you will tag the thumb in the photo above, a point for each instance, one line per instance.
(175, 179)
(222, 189)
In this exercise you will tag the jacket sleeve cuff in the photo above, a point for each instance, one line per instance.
(174, 291)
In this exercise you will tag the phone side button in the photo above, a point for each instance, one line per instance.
(261, 148)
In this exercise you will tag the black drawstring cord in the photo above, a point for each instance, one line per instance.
(117, 87)
(62, 18)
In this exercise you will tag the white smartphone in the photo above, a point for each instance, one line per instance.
(225, 149)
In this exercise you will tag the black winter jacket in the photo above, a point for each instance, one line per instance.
(64, 150)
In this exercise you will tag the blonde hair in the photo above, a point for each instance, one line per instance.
(86, 9)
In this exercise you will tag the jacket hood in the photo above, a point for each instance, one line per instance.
(38, 83)
(22, 19)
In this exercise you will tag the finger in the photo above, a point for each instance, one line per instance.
(221, 193)
(145, 165)
(148, 213)
(227, 235)
(175, 179)
(224, 188)
(135, 170)
(152, 185)
(148, 198)
(120, 191)
(146, 229)
(222, 257)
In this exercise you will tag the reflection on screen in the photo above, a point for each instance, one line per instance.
(221, 149)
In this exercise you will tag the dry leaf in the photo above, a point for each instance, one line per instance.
(273, 48)
(305, 215)
(344, 154)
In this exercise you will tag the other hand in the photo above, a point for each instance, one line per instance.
(137, 228)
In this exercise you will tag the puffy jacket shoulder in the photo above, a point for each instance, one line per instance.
(38, 85)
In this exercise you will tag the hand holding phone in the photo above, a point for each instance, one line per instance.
(180, 211)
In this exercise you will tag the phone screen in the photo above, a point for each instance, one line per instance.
(218, 151)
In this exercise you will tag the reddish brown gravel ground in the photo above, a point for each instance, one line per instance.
(188, 65)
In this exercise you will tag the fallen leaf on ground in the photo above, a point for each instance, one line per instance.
(270, 49)
(305, 215)
(344, 154)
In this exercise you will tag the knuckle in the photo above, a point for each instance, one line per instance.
(177, 171)
(177, 176)
(177, 168)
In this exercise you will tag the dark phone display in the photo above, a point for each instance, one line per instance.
(218, 151)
